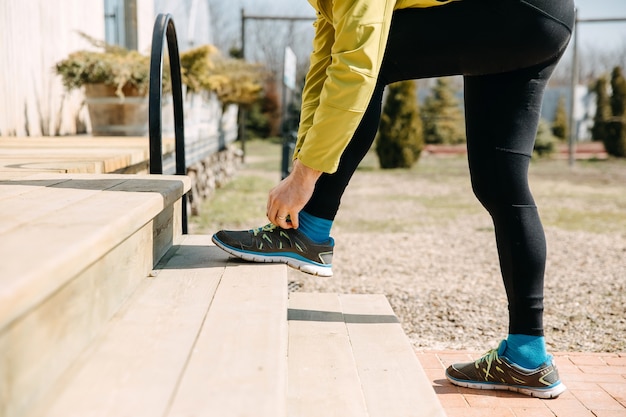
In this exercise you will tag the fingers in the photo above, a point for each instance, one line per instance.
(294, 220)
(278, 211)
(280, 216)
(284, 221)
(287, 199)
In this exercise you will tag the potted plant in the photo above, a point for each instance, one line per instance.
(217, 87)
(115, 82)
(233, 81)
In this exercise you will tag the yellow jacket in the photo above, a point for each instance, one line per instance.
(348, 48)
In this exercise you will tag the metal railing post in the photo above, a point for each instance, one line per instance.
(164, 28)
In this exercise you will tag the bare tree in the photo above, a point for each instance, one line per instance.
(592, 63)
(265, 39)
(224, 24)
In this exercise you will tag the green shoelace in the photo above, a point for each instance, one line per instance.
(489, 357)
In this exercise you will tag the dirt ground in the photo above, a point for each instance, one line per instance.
(422, 239)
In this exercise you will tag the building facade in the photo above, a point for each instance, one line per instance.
(38, 33)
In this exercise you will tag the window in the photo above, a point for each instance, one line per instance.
(120, 22)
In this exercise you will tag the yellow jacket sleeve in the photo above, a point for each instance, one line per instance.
(319, 62)
(345, 62)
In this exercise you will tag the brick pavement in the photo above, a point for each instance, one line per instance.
(596, 385)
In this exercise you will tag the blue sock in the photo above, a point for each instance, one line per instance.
(315, 228)
(526, 351)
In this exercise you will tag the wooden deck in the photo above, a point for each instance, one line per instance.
(75, 154)
(348, 356)
(202, 337)
(106, 309)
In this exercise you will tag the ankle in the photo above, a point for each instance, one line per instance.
(526, 351)
(315, 228)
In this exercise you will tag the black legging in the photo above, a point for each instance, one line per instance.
(506, 50)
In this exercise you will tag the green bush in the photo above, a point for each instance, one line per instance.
(545, 142)
(202, 69)
(442, 116)
(610, 118)
(234, 81)
(618, 96)
(400, 136)
(615, 137)
(560, 127)
(111, 65)
(603, 109)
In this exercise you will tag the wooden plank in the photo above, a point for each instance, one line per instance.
(133, 369)
(238, 366)
(66, 322)
(72, 238)
(323, 378)
(74, 154)
(393, 381)
(27, 200)
(4, 176)
(12, 185)
(65, 244)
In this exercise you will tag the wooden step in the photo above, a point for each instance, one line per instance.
(72, 248)
(76, 154)
(52, 227)
(348, 356)
(207, 336)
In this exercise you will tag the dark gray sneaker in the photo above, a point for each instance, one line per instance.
(493, 371)
(271, 243)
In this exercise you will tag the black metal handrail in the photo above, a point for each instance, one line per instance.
(164, 28)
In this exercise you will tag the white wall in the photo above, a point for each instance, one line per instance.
(34, 35)
(145, 24)
(191, 19)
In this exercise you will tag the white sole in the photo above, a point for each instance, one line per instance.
(548, 393)
(320, 271)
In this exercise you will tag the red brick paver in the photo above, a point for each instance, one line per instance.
(596, 385)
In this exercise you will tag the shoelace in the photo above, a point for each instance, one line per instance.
(489, 358)
(267, 228)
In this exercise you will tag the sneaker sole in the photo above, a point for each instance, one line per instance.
(304, 266)
(547, 393)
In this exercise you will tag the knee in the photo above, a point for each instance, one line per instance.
(485, 193)
(503, 181)
(496, 193)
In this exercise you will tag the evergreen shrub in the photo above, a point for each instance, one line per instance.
(545, 142)
(615, 139)
(400, 137)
